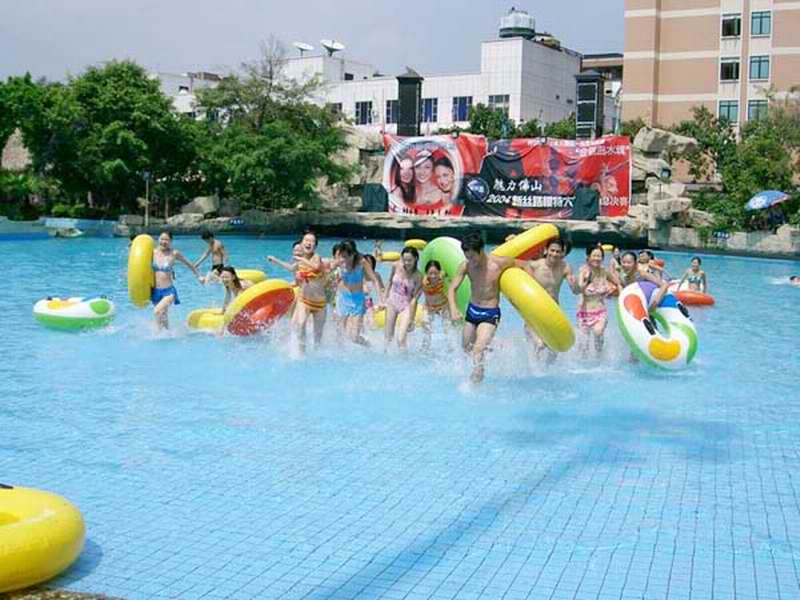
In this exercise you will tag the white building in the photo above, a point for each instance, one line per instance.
(530, 75)
(182, 88)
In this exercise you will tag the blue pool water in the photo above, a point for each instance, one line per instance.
(225, 468)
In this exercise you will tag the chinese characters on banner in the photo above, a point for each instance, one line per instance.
(522, 178)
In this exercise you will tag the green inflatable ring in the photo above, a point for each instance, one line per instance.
(447, 252)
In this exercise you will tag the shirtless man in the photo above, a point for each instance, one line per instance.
(483, 311)
(550, 271)
(219, 256)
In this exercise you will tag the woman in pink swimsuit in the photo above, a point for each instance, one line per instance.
(402, 291)
(595, 283)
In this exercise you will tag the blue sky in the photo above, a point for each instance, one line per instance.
(52, 38)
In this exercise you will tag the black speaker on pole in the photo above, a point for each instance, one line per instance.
(410, 102)
(590, 97)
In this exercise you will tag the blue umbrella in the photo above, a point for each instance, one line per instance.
(764, 200)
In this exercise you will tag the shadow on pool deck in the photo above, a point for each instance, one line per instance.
(700, 440)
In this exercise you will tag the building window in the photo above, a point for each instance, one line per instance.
(336, 107)
(729, 69)
(500, 102)
(759, 68)
(729, 110)
(392, 111)
(430, 110)
(761, 23)
(364, 113)
(757, 109)
(348, 77)
(731, 26)
(461, 107)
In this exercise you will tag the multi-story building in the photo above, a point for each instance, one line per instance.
(730, 56)
(528, 74)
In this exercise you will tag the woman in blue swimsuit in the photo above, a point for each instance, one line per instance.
(164, 294)
(352, 302)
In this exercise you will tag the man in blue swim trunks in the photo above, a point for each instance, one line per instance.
(483, 311)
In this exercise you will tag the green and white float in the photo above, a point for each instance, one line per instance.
(74, 314)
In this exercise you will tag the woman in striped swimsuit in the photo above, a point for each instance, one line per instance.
(435, 299)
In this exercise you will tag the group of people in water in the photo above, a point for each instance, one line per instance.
(349, 282)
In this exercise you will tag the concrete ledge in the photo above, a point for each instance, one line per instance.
(620, 231)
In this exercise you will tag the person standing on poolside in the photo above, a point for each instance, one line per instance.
(309, 272)
(695, 277)
(219, 256)
(401, 293)
(483, 311)
(594, 284)
(550, 272)
(351, 303)
(164, 294)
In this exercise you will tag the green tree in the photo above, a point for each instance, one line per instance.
(491, 122)
(716, 142)
(632, 127)
(102, 130)
(562, 130)
(529, 129)
(266, 143)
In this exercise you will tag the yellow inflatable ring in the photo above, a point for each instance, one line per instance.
(41, 534)
(418, 244)
(529, 244)
(141, 279)
(608, 247)
(206, 319)
(251, 275)
(542, 314)
(258, 307)
(390, 256)
(379, 317)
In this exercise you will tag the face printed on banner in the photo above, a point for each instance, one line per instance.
(423, 171)
(444, 178)
(406, 170)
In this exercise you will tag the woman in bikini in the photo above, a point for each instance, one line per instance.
(164, 294)
(594, 283)
(232, 284)
(435, 299)
(695, 277)
(309, 272)
(402, 291)
(351, 303)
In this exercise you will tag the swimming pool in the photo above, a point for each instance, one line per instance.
(223, 468)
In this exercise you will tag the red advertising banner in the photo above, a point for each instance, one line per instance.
(521, 178)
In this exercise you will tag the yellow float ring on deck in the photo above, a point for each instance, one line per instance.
(529, 244)
(141, 279)
(41, 534)
(541, 313)
(418, 244)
